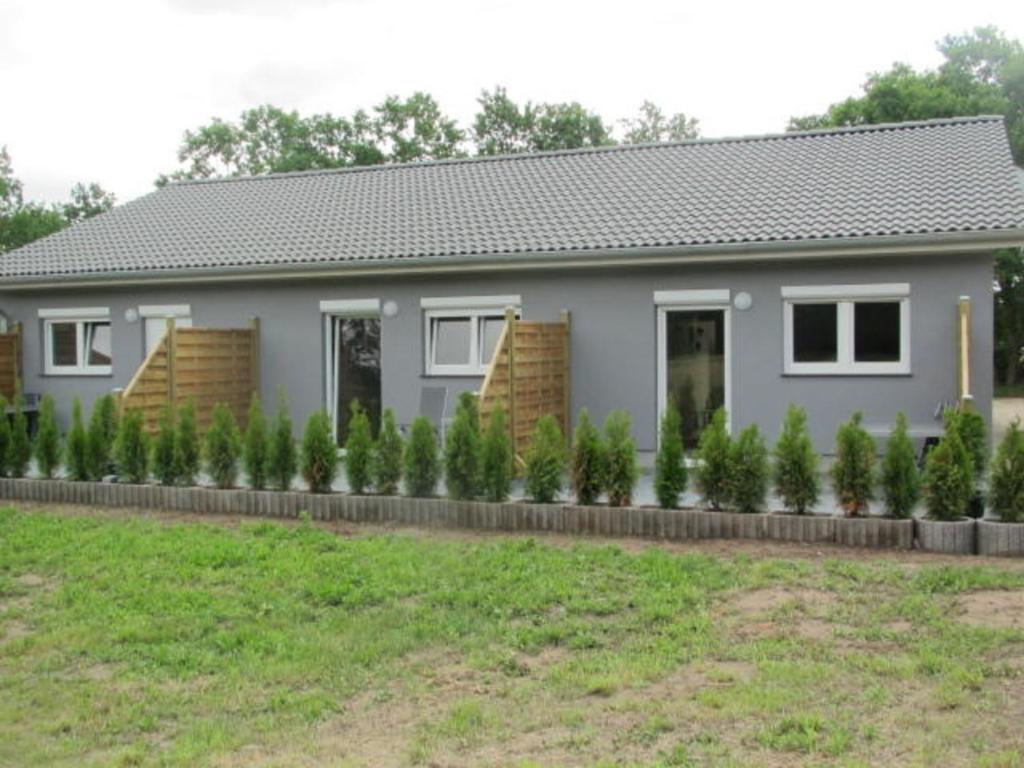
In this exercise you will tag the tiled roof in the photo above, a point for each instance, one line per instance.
(933, 177)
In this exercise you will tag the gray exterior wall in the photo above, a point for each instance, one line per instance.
(614, 344)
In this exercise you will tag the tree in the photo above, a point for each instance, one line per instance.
(162, 459)
(132, 449)
(670, 463)
(587, 463)
(359, 450)
(5, 437)
(255, 446)
(714, 461)
(901, 481)
(796, 463)
(749, 470)
(462, 450)
(76, 456)
(651, 125)
(87, 200)
(282, 457)
(19, 449)
(103, 429)
(416, 129)
(47, 443)
(318, 457)
(186, 445)
(621, 471)
(545, 461)
(948, 478)
(496, 458)
(422, 465)
(1006, 480)
(853, 471)
(1009, 315)
(222, 447)
(387, 456)
(502, 127)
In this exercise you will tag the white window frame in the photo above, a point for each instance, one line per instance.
(79, 316)
(471, 308)
(845, 297)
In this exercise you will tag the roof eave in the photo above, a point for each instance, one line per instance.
(851, 247)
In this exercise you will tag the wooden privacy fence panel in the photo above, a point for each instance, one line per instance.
(208, 365)
(10, 362)
(529, 375)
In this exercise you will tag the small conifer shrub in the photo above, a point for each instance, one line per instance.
(162, 460)
(75, 456)
(621, 470)
(714, 454)
(587, 465)
(5, 437)
(19, 449)
(101, 437)
(131, 449)
(359, 450)
(387, 455)
(319, 454)
(1006, 477)
(462, 450)
(422, 464)
(901, 481)
(222, 447)
(283, 457)
(496, 458)
(545, 461)
(256, 446)
(853, 471)
(948, 478)
(186, 445)
(749, 470)
(47, 443)
(796, 463)
(670, 474)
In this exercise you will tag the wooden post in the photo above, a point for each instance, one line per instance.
(567, 377)
(510, 327)
(17, 358)
(964, 349)
(172, 353)
(254, 360)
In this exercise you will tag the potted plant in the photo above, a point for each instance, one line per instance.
(948, 486)
(1005, 535)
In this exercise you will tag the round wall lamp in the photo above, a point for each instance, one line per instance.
(131, 315)
(743, 301)
(390, 309)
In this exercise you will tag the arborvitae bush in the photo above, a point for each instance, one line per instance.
(283, 458)
(75, 453)
(670, 463)
(948, 478)
(587, 463)
(749, 470)
(359, 450)
(621, 470)
(496, 458)
(186, 445)
(5, 436)
(387, 455)
(132, 449)
(102, 435)
(713, 461)
(796, 463)
(462, 450)
(1006, 478)
(255, 446)
(222, 447)
(422, 464)
(545, 461)
(901, 481)
(971, 427)
(853, 471)
(47, 444)
(162, 460)
(19, 450)
(319, 454)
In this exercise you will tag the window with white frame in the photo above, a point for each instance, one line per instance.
(462, 333)
(77, 342)
(847, 329)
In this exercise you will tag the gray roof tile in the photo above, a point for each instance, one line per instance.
(932, 177)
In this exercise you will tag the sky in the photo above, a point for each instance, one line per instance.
(102, 90)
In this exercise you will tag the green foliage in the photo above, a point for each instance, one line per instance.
(75, 449)
(970, 425)
(714, 452)
(100, 439)
(796, 463)
(749, 470)
(462, 450)
(359, 450)
(186, 445)
(587, 463)
(1009, 315)
(651, 125)
(545, 461)
(222, 447)
(132, 449)
(948, 478)
(496, 458)
(901, 481)
(5, 434)
(283, 460)
(256, 446)
(853, 471)
(1006, 477)
(621, 470)
(670, 474)
(19, 450)
(47, 443)
(162, 460)
(387, 455)
(422, 463)
(318, 458)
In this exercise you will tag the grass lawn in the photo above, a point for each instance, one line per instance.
(167, 642)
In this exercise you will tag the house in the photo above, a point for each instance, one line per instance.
(822, 268)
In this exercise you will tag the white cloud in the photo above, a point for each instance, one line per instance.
(103, 90)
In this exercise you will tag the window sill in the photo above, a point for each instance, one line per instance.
(77, 374)
(446, 375)
(845, 374)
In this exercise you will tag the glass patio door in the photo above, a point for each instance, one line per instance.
(354, 346)
(695, 366)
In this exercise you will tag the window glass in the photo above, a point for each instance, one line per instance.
(815, 333)
(490, 332)
(97, 343)
(64, 343)
(876, 332)
(452, 340)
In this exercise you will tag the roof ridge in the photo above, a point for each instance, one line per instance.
(611, 148)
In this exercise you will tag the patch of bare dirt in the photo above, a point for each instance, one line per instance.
(762, 602)
(995, 609)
